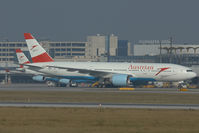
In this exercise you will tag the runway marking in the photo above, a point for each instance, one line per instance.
(101, 105)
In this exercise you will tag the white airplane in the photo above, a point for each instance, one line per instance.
(116, 74)
(22, 59)
(37, 76)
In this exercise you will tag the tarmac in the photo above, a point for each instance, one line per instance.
(99, 105)
(43, 87)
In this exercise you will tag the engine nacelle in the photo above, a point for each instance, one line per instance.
(121, 80)
(52, 79)
(38, 78)
(64, 81)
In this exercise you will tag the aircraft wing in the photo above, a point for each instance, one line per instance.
(33, 67)
(91, 72)
(94, 73)
(38, 69)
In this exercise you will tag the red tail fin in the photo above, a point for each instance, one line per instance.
(37, 52)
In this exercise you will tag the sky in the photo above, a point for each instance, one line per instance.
(74, 20)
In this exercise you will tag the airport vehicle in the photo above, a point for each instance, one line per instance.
(107, 73)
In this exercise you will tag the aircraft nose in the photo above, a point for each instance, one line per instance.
(193, 75)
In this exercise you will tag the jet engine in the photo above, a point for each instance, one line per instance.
(54, 81)
(64, 81)
(120, 80)
(39, 78)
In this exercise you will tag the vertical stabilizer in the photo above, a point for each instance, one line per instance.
(22, 59)
(37, 52)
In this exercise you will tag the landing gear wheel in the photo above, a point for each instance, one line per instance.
(51, 84)
(101, 86)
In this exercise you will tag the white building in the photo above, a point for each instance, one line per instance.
(100, 45)
(154, 47)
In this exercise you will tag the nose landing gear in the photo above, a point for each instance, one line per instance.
(182, 86)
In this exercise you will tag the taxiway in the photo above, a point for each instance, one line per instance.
(43, 88)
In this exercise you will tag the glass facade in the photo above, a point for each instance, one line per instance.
(122, 48)
(78, 49)
(78, 44)
(55, 49)
(63, 49)
(7, 50)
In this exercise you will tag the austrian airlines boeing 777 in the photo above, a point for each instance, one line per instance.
(117, 74)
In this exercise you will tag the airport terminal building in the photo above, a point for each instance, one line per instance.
(96, 48)
(166, 52)
(157, 47)
(57, 50)
(109, 48)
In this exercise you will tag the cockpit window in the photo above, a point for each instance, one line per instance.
(189, 70)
